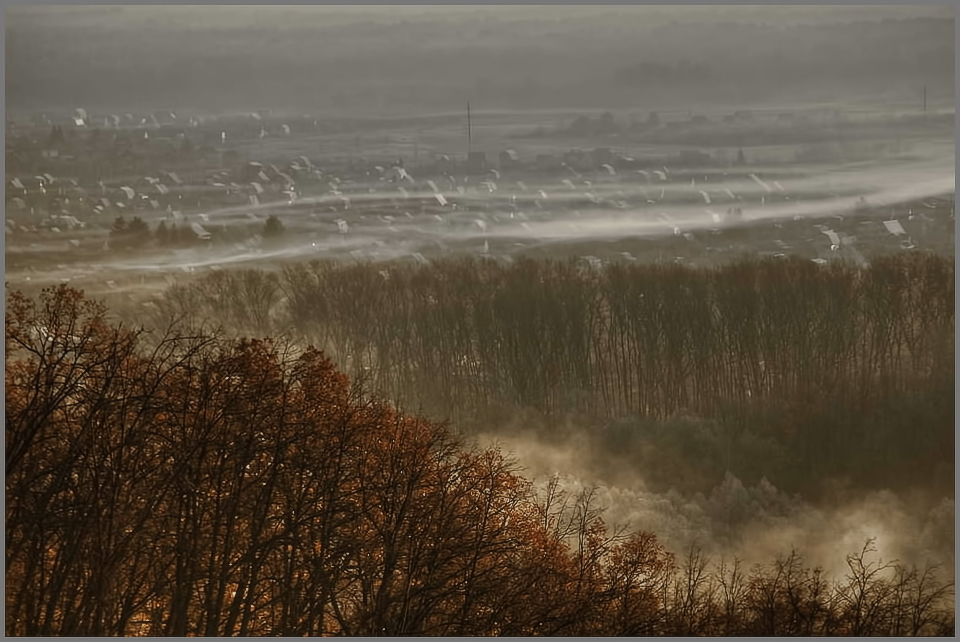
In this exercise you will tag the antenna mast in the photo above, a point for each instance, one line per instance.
(469, 131)
(924, 103)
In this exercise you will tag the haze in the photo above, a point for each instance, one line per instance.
(691, 268)
(387, 60)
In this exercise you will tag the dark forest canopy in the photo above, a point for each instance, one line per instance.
(382, 59)
(804, 363)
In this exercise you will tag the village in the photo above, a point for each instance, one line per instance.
(91, 187)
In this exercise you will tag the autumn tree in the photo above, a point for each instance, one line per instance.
(186, 483)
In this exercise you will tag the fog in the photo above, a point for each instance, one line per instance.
(399, 59)
(513, 218)
(821, 133)
(733, 520)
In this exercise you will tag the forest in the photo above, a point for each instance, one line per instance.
(167, 476)
(804, 372)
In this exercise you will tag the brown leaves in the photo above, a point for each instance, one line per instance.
(198, 486)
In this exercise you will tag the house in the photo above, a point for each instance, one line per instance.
(477, 162)
(62, 220)
(164, 117)
(251, 172)
(230, 158)
(397, 174)
(547, 162)
(602, 156)
(627, 163)
(283, 180)
(509, 159)
(579, 160)
(443, 164)
(694, 158)
(201, 233)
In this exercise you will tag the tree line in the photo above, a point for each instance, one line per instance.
(843, 367)
(135, 234)
(174, 483)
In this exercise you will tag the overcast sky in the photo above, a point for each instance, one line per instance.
(363, 58)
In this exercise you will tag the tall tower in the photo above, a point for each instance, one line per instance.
(469, 130)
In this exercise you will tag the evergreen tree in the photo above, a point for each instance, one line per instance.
(119, 226)
(56, 135)
(580, 125)
(138, 231)
(273, 227)
(162, 234)
(186, 235)
(606, 122)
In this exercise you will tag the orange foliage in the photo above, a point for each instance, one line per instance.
(198, 486)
